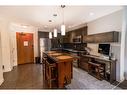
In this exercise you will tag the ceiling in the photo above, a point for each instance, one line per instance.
(39, 16)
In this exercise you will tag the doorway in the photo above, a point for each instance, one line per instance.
(25, 48)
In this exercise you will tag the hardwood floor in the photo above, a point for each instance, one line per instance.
(28, 76)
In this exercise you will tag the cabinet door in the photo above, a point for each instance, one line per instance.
(55, 42)
(66, 38)
(69, 37)
(102, 37)
(89, 39)
(84, 63)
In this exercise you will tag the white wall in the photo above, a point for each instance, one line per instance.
(1, 72)
(8, 45)
(5, 44)
(111, 22)
(124, 44)
(16, 27)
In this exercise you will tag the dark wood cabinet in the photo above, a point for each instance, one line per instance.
(65, 38)
(84, 63)
(89, 39)
(109, 66)
(68, 38)
(77, 32)
(55, 42)
(112, 36)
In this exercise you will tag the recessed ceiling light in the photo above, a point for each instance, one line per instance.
(54, 15)
(62, 6)
(91, 14)
(24, 26)
(50, 20)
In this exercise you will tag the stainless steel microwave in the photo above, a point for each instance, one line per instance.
(77, 39)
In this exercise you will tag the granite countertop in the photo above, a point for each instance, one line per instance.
(99, 57)
(59, 57)
(72, 50)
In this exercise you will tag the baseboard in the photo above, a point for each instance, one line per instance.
(1, 81)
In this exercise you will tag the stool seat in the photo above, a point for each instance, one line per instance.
(94, 64)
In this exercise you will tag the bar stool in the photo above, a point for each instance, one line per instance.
(44, 68)
(51, 74)
(97, 70)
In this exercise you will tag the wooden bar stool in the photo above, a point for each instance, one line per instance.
(97, 70)
(44, 68)
(51, 74)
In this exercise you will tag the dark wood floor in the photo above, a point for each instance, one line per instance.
(28, 76)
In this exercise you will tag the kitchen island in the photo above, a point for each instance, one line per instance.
(57, 69)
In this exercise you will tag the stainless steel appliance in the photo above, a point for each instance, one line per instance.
(77, 39)
(45, 45)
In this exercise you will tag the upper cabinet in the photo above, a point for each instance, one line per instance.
(77, 32)
(68, 38)
(64, 39)
(112, 36)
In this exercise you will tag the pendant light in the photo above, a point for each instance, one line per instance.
(63, 25)
(63, 29)
(55, 30)
(55, 33)
(50, 35)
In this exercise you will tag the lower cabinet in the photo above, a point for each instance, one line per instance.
(99, 67)
(84, 63)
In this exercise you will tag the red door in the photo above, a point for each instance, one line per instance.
(25, 50)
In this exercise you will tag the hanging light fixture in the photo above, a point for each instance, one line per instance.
(55, 30)
(63, 29)
(55, 33)
(50, 35)
(63, 25)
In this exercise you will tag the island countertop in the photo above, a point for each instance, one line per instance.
(60, 56)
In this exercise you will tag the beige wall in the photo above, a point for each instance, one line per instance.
(4, 48)
(18, 28)
(8, 46)
(112, 22)
(1, 72)
(5, 44)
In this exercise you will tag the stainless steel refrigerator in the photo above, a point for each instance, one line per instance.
(45, 45)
